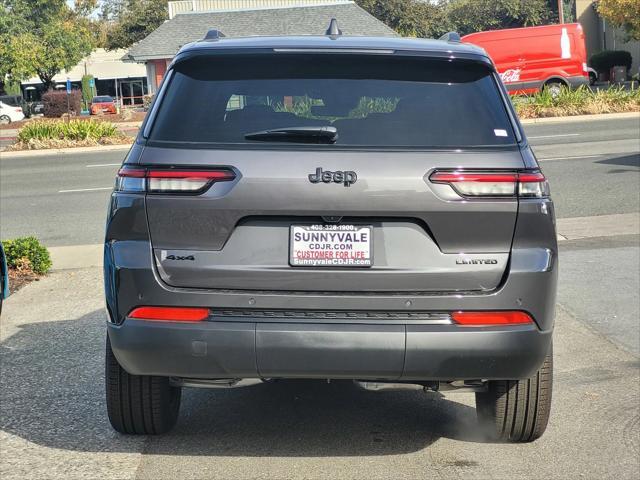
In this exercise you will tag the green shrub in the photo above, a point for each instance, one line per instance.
(579, 101)
(27, 248)
(604, 61)
(67, 130)
(87, 91)
(55, 103)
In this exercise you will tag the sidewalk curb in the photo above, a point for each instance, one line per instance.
(64, 151)
(76, 256)
(581, 118)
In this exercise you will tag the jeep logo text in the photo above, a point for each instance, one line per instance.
(346, 177)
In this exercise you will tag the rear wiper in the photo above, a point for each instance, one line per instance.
(296, 134)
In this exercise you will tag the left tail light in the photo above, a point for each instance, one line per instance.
(183, 181)
(170, 314)
(494, 184)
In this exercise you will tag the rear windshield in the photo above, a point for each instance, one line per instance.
(104, 99)
(370, 100)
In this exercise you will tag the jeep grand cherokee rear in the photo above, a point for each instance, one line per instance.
(332, 208)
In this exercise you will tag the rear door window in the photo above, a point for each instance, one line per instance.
(372, 101)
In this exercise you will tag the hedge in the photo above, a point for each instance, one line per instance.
(55, 103)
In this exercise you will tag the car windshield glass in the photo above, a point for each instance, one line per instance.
(102, 100)
(370, 100)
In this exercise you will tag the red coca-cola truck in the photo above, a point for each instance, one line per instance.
(532, 58)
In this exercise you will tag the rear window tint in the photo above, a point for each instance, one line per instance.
(371, 100)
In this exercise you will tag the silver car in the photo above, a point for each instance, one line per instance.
(331, 207)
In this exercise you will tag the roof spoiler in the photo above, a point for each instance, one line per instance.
(451, 37)
(213, 34)
(333, 30)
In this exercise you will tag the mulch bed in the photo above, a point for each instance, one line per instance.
(17, 280)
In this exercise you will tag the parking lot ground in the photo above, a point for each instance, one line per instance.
(53, 421)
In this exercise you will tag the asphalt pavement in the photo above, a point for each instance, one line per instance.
(52, 417)
(53, 422)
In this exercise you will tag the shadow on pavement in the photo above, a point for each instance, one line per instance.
(632, 160)
(52, 384)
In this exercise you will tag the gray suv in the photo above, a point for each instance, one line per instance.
(331, 207)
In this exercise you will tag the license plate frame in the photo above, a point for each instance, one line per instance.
(340, 257)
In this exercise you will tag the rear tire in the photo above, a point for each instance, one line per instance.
(5, 119)
(517, 411)
(554, 88)
(139, 404)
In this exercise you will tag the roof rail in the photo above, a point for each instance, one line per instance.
(213, 34)
(333, 30)
(451, 37)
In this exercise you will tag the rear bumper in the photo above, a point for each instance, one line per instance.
(277, 349)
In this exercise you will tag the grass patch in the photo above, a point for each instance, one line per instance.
(580, 101)
(43, 134)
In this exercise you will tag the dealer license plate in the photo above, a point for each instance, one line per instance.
(331, 246)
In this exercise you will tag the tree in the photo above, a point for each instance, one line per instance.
(40, 37)
(410, 18)
(87, 90)
(622, 13)
(131, 20)
(469, 16)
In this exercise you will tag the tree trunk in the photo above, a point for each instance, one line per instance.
(47, 80)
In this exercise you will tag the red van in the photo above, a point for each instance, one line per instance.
(533, 58)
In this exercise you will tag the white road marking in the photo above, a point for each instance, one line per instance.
(85, 189)
(574, 157)
(104, 165)
(557, 136)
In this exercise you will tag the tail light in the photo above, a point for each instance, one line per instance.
(478, 319)
(18, 109)
(153, 180)
(489, 184)
(170, 314)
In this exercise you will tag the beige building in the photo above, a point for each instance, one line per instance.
(601, 35)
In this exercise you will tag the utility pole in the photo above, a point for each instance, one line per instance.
(560, 11)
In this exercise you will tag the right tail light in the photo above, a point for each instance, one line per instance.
(494, 184)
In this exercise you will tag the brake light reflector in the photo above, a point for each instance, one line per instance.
(133, 179)
(170, 314)
(489, 184)
(491, 318)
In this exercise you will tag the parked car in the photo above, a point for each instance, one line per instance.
(4, 277)
(331, 207)
(102, 104)
(530, 59)
(9, 113)
(16, 101)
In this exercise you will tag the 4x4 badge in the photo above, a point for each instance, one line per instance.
(346, 177)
